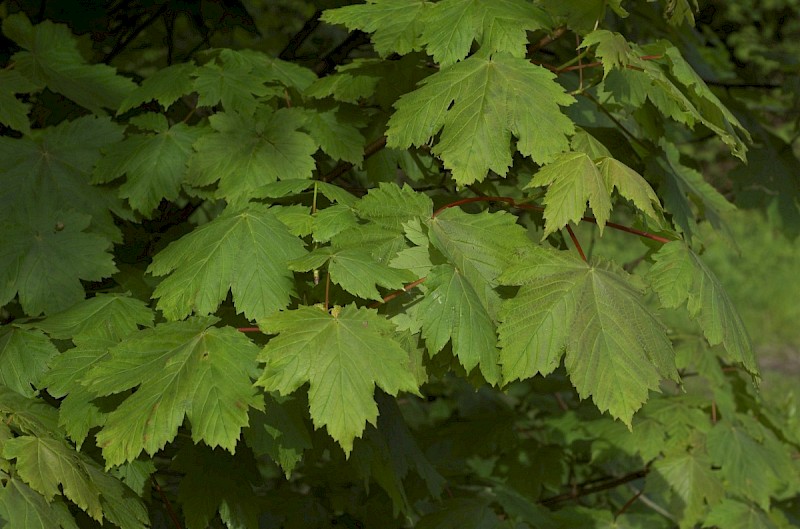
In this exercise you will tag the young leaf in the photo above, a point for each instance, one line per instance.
(498, 26)
(354, 270)
(44, 257)
(51, 58)
(396, 24)
(476, 105)
(342, 356)
(165, 86)
(612, 49)
(678, 276)
(179, 369)
(616, 350)
(245, 152)
(24, 355)
(452, 309)
(243, 251)
(155, 165)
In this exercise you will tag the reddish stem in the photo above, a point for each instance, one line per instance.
(396, 293)
(248, 329)
(575, 242)
(167, 504)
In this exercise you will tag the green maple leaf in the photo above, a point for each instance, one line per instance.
(14, 112)
(339, 139)
(165, 86)
(51, 58)
(155, 164)
(333, 220)
(44, 257)
(355, 270)
(24, 355)
(343, 357)
(476, 105)
(733, 514)
(232, 83)
(462, 513)
(574, 179)
(212, 481)
(498, 26)
(396, 25)
(79, 411)
(280, 431)
(246, 152)
(691, 477)
(21, 506)
(453, 310)
(612, 48)
(50, 169)
(480, 247)
(179, 369)
(110, 316)
(678, 276)
(616, 350)
(752, 467)
(244, 251)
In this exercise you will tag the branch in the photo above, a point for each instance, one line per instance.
(342, 168)
(585, 489)
(290, 51)
(547, 39)
(338, 54)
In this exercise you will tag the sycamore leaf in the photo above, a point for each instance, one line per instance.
(44, 257)
(396, 25)
(180, 369)
(233, 84)
(498, 26)
(339, 139)
(110, 316)
(342, 356)
(678, 276)
(155, 165)
(79, 411)
(616, 350)
(480, 247)
(24, 355)
(245, 152)
(452, 310)
(50, 467)
(691, 477)
(51, 58)
(21, 506)
(14, 112)
(333, 220)
(214, 480)
(630, 184)
(280, 431)
(733, 514)
(242, 251)
(478, 104)
(612, 49)
(355, 270)
(50, 170)
(165, 86)
(751, 469)
(572, 180)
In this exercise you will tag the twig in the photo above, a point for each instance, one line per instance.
(575, 242)
(167, 504)
(290, 51)
(387, 298)
(628, 504)
(580, 490)
(342, 168)
(547, 39)
(123, 43)
(337, 55)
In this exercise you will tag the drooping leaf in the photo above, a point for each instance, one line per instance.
(691, 476)
(155, 165)
(50, 170)
(471, 104)
(51, 58)
(343, 356)
(14, 112)
(165, 86)
(24, 355)
(616, 350)
(246, 152)
(339, 139)
(180, 369)
(678, 276)
(498, 26)
(453, 311)
(396, 24)
(280, 431)
(243, 251)
(110, 316)
(43, 258)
